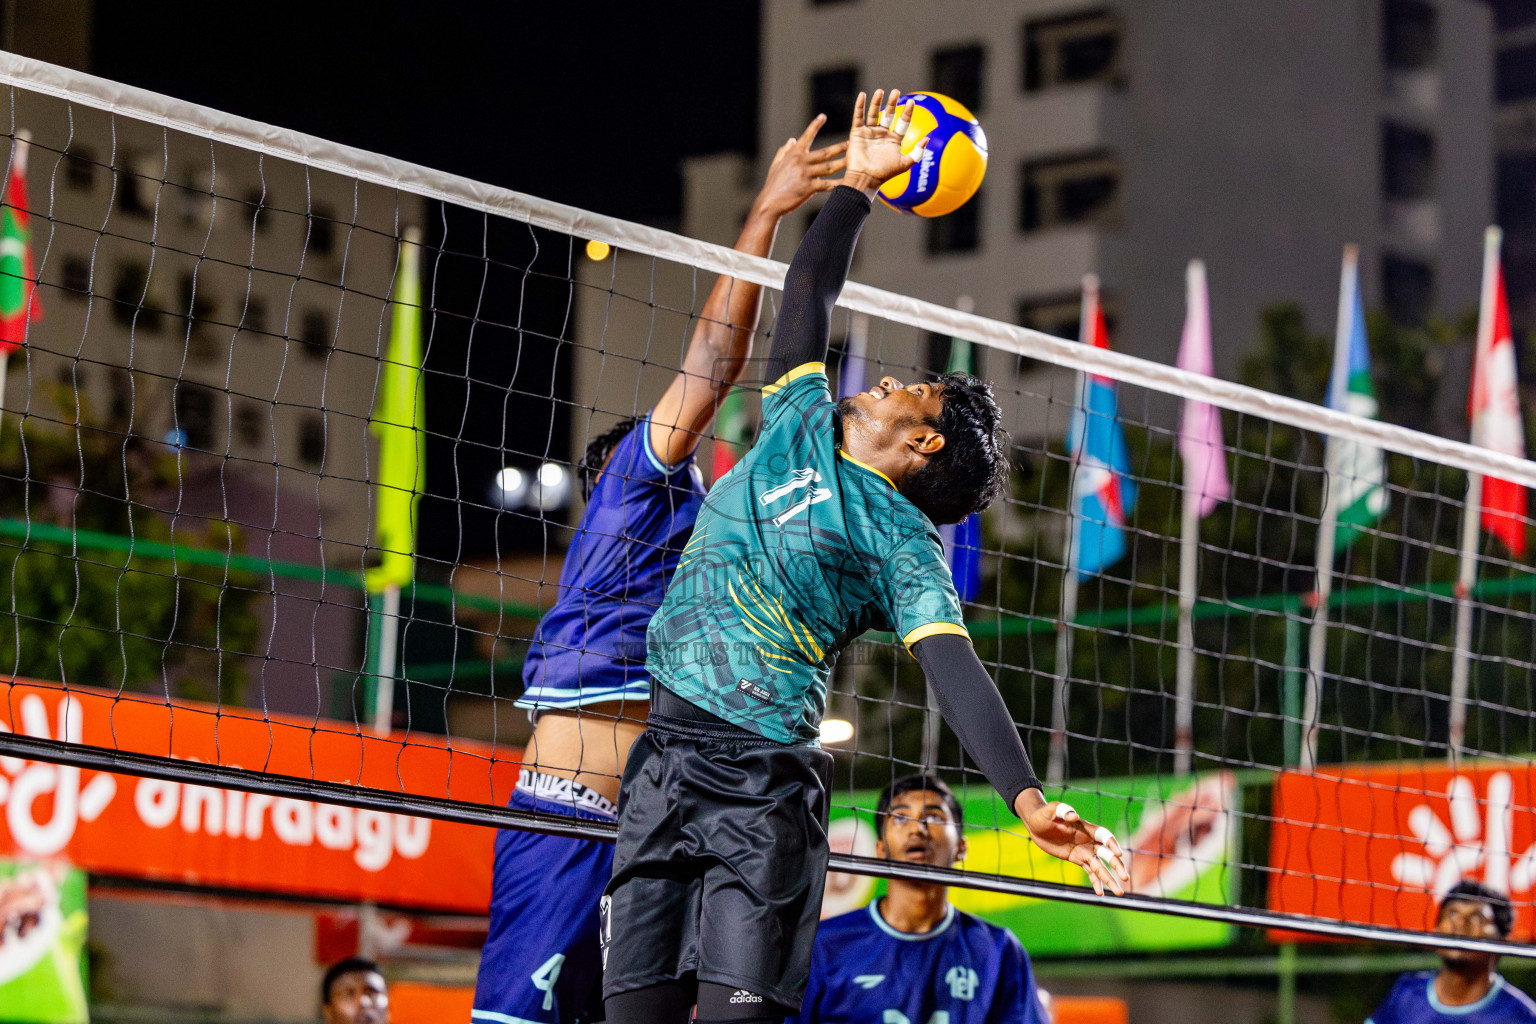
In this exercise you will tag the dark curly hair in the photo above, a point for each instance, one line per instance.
(971, 470)
(596, 457)
(1503, 913)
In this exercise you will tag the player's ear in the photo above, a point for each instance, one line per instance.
(960, 850)
(926, 441)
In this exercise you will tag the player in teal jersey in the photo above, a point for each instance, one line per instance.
(825, 529)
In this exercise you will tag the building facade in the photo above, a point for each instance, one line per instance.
(1128, 138)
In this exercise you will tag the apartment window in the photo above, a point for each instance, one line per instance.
(1514, 73)
(1408, 288)
(1508, 14)
(315, 333)
(311, 441)
(193, 301)
(255, 317)
(131, 305)
(959, 231)
(254, 207)
(959, 73)
(1060, 316)
(1517, 191)
(194, 197)
(249, 423)
(1074, 50)
(136, 192)
(832, 93)
(77, 275)
(1408, 34)
(120, 410)
(194, 416)
(322, 231)
(80, 169)
(1062, 191)
(1407, 162)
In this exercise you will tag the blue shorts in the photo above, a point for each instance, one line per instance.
(542, 963)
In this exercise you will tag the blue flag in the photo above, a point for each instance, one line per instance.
(962, 540)
(1104, 493)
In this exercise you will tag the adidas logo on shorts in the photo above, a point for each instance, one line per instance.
(743, 996)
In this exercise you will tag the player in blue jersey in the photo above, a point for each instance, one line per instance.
(911, 957)
(1467, 989)
(586, 685)
(824, 530)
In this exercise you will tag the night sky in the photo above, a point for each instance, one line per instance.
(587, 103)
(592, 104)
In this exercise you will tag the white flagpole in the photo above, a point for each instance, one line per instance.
(1056, 763)
(1189, 584)
(1466, 577)
(1327, 531)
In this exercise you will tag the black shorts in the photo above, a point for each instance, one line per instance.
(720, 862)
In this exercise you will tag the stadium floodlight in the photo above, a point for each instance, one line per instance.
(836, 730)
(552, 488)
(511, 488)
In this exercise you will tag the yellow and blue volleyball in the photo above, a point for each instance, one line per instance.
(953, 165)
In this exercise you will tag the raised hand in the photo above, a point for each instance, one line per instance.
(874, 143)
(1056, 828)
(799, 172)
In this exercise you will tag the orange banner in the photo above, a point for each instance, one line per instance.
(1380, 844)
(171, 831)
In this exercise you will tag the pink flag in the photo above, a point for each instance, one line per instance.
(1200, 443)
(1495, 412)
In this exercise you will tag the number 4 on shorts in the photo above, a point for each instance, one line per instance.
(545, 977)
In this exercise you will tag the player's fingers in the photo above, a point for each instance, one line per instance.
(1064, 811)
(888, 115)
(826, 167)
(874, 107)
(811, 129)
(858, 111)
(828, 152)
(903, 119)
(826, 184)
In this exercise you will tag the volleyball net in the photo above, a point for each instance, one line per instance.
(211, 433)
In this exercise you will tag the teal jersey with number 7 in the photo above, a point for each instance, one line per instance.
(798, 550)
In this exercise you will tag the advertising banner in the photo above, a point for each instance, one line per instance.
(1179, 834)
(1379, 844)
(42, 944)
(170, 831)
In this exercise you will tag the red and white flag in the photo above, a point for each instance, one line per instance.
(1495, 405)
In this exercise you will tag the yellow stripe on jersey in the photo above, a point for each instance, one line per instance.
(933, 629)
(732, 591)
(865, 465)
(799, 371)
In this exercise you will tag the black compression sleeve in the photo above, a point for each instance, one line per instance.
(974, 709)
(815, 278)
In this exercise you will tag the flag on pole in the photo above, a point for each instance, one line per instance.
(1200, 442)
(962, 540)
(18, 299)
(1357, 473)
(733, 433)
(1494, 410)
(1104, 493)
(398, 422)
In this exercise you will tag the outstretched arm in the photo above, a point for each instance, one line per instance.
(723, 338)
(974, 709)
(820, 267)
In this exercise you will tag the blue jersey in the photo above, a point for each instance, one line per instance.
(1413, 1001)
(964, 971)
(590, 647)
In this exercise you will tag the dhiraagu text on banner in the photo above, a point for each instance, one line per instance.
(42, 957)
(1179, 833)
